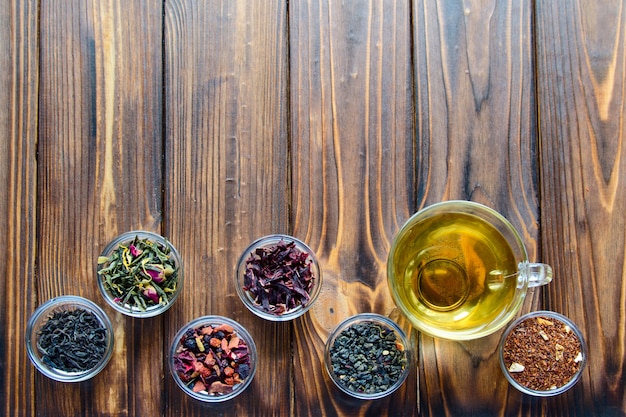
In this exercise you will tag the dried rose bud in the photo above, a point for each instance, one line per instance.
(150, 292)
(135, 251)
(157, 276)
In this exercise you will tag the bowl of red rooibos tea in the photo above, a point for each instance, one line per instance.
(278, 277)
(69, 339)
(213, 359)
(542, 353)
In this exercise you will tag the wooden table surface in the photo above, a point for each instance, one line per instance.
(216, 122)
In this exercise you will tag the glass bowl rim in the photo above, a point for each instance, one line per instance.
(240, 330)
(563, 319)
(39, 318)
(268, 240)
(468, 207)
(151, 311)
(376, 318)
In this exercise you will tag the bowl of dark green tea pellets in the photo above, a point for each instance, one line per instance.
(69, 339)
(367, 356)
(140, 274)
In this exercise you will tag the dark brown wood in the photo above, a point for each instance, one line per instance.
(581, 63)
(19, 81)
(100, 152)
(476, 140)
(217, 122)
(227, 174)
(352, 151)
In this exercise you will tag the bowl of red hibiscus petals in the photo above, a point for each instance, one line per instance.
(542, 354)
(213, 359)
(278, 277)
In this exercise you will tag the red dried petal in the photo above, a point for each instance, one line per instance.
(199, 386)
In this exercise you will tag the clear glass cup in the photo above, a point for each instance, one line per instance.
(188, 387)
(125, 308)
(553, 317)
(248, 298)
(40, 318)
(382, 322)
(459, 270)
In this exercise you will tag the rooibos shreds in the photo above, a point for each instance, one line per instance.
(542, 353)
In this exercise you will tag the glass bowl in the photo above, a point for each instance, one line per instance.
(65, 367)
(553, 336)
(161, 279)
(195, 350)
(376, 348)
(274, 249)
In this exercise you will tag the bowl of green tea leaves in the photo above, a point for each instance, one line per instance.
(140, 274)
(69, 339)
(278, 277)
(367, 356)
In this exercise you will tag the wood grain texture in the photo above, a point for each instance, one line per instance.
(216, 122)
(477, 141)
(19, 68)
(352, 152)
(100, 175)
(227, 174)
(582, 84)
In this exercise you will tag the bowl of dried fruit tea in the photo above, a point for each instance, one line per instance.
(69, 339)
(367, 356)
(140, 274)
(542, 353)
(278, 277)
(213, 358)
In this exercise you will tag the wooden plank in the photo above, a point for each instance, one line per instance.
(19, 61)
(476, 140)
(227, 174)
(581, 63)
(100, 152)
(352, 151)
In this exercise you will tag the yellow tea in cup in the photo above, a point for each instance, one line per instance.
(458, 270)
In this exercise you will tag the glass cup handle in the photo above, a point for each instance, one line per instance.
(538, 274)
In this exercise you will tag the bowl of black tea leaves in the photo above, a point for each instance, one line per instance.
(69, 339)
(278, 277)
(367, 356)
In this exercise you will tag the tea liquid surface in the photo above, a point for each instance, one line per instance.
(455, 271)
